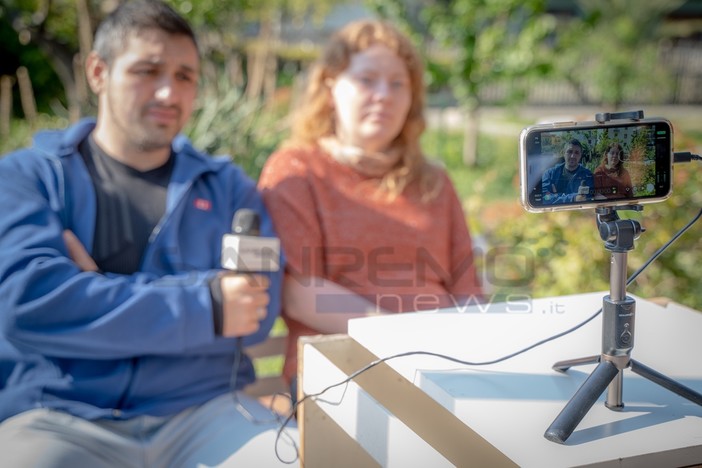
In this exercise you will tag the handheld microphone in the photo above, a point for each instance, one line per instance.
(583, 189)
(244, 250)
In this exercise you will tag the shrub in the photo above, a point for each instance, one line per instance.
(561, 253)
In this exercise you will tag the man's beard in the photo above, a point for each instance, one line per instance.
(147, 143)
(139, 135)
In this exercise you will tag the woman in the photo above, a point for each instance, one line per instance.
(612, 180)
(367, 223)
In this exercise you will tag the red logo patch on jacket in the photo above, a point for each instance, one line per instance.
(202, 204)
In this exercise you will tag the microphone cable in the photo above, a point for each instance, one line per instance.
(678, 158)
(376, 362)
(246, 222)
(275, 417)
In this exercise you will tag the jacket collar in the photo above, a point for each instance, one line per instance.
(63, 143)
(190, 163)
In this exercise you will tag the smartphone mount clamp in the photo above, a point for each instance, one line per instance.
(618, 314)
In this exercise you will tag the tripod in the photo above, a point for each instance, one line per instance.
(618, 312)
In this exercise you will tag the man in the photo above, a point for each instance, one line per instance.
(568, 181)
(120, 336)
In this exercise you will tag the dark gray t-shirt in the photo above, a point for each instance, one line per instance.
(130, 203)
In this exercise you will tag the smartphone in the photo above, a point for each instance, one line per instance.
(578, 165)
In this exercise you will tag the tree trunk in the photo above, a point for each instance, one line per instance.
(262, 63)
(5, 104)
(29, 104)
(471, 132)
(85, 36)
(271, 68)
(256, 66)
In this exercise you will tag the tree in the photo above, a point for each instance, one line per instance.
(611, 52)
(473, 45)
(50, 26)
(242, 36)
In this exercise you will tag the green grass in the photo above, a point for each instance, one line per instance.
(272, 365)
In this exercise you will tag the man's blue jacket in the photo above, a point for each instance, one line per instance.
(556, 189)
(109, 345)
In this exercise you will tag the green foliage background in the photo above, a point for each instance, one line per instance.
(561, 253)
(522, 253)
(541, 255)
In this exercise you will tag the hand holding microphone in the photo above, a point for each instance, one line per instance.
(583, 191)
(244, 301)
(244, 293)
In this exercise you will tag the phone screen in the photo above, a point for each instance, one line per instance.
(591, 164)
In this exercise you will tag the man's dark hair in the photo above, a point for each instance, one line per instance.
(574, 142)
(133, 17)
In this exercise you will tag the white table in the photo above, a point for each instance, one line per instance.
(426, 411)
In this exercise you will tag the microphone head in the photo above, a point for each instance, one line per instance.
(245, 250)
(246, 222)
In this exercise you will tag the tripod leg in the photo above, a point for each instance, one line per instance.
(663, 381)
(562, 366)
(578, 406)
